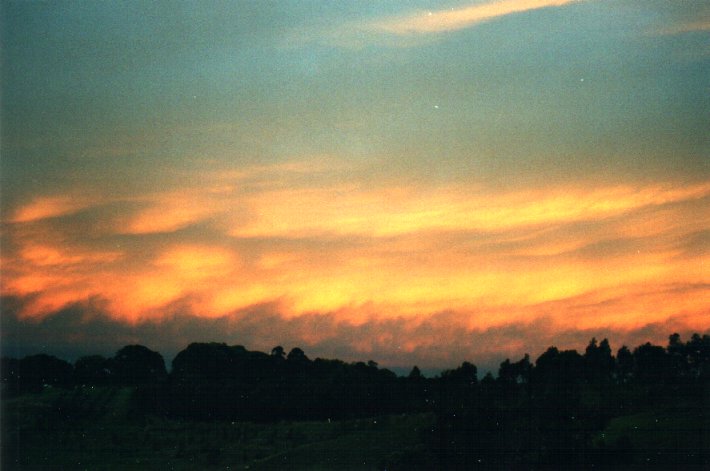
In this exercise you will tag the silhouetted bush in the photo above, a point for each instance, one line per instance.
(136, 365)
(34, 373)
(92, 370)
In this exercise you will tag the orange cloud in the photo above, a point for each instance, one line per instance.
(168, 213)
(277, 237)
(199, 261)
(49, 207)
(459, 18)
(698, 25)
(392, 212)
(43, 255)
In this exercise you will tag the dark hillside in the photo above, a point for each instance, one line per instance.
(221, 405)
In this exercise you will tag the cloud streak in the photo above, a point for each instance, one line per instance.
(393, 211)
(700, 25)
(274, 235)
(49, 207)
(428, 22)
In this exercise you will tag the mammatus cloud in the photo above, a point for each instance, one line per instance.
(453, 19)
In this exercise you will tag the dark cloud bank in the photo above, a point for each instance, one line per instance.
(442, 340)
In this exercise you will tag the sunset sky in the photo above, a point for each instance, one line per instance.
(411, 182)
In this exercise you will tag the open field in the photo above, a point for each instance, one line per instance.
(97, 428)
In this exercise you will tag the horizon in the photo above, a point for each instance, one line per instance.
(399, 370)
(485, 364)
(416, 183)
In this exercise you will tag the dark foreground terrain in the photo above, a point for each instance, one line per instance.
(223, 407)
(94, 428)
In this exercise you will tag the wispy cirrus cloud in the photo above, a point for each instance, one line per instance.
(690, 26)
(426, 22)
(414, 27)
(170, 212)
(392, 211)
(50, 206)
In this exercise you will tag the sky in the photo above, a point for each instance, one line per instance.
(411, 182)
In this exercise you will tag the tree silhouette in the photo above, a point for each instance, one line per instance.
(698, 354)
(137, 365)
(465, 375)
(512, 374)
(278, 352)
(624, 365)
(296, 355)
(652, 365)
(92, 369)
(599, 363)
(34, 372)
(415, 374)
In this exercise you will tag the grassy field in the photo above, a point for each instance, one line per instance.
(671, 436)
(97, 428)
(100, 429)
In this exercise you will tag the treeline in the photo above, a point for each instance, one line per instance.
(550, 414)
(547, 412)
(217, 381)
(132, 365)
